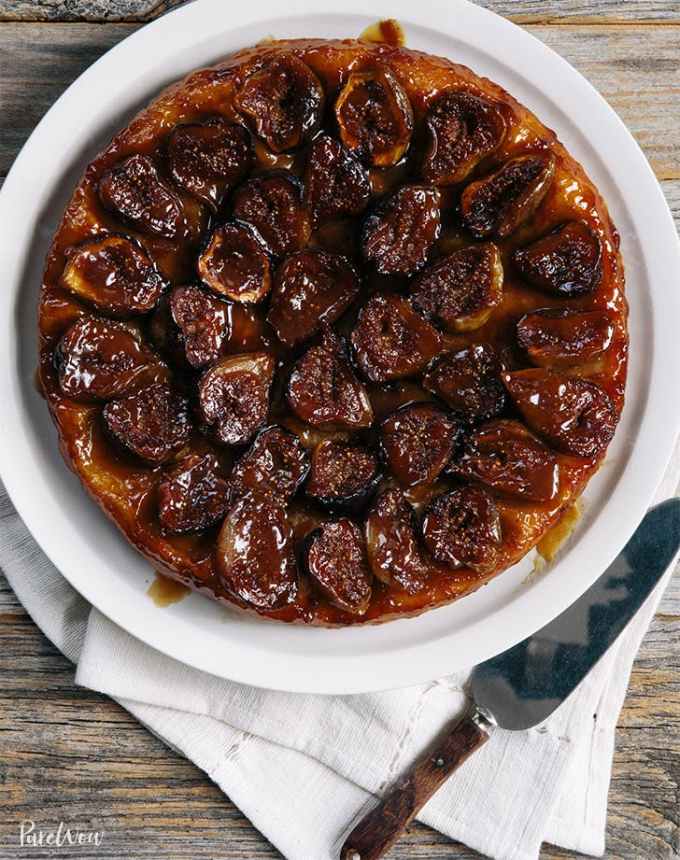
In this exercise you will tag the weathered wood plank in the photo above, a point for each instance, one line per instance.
(100, 11)
(38, 62)
(523, 11)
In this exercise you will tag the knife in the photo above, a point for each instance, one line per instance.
(522, 686)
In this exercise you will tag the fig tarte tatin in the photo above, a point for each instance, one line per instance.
(334, 331)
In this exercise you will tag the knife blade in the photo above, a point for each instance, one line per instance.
(521, 687)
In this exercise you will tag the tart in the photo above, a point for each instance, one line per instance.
(334, 331)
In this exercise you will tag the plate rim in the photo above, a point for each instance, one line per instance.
(403, 666)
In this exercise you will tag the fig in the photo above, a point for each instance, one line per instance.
(392, 341)
(282, 102)
(272, 204)
(394, 554)
(460, 130)
(208, 159)
(341, 475)
(469, 381)
(235, 264)
(375, 117)
(567, 262)
(152, 423)
(555, 337)
(165, 335)
(574, 415)
(460, 291)
(505, 456)
(276, 463)
(336, 183)
(310, 288)
(134, 191)
(417, 442)
(98, 359)
(203, 321)
(497, 204)
(335, 559)
(398, 235)
(193, 495)
(462, 527)
(255, 555)
(114, 275)
(324, 391)
(234, 396)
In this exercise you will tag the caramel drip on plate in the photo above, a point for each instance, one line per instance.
(551, 542)
(164, 591)
(389, 32)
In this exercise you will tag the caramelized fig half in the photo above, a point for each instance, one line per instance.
(324, 391)
(461, 130)
(235, 264)
(115, 275)
(566, 262)
(394, 554)
(469, 381)
(208, 159)
(575, 415)
(497, 204)
(336, 183)
(276, 463)
(165, 335)
(152, 423)
(203, 322)
(272, 204)
(554, 337)
(392, 341)
(98, 359)
(234, 396)
(342, 475)
(311, 288)
(463, 527)
(375, 117)
(417, 442)
(505, 456)
(398, 235)
(134, 191)
(461, 290)
(255, 553)
(192, 495)
(282, 102)
(335, 559)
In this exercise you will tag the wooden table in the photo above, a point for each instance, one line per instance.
(69, 754)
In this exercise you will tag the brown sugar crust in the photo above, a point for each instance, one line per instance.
(577, 269)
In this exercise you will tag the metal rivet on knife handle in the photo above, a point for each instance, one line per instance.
(377, 831)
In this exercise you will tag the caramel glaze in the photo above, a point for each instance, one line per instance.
(555, 538)
(126, 489)
(388, 32)
(165, 592)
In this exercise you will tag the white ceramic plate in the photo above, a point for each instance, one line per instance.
(91, 553)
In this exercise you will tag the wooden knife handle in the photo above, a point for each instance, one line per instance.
(380, 828)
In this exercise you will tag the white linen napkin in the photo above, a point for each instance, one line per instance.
(302, 767)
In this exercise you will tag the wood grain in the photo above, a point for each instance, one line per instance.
(376, 833)
(67, 753)
(521, 11)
